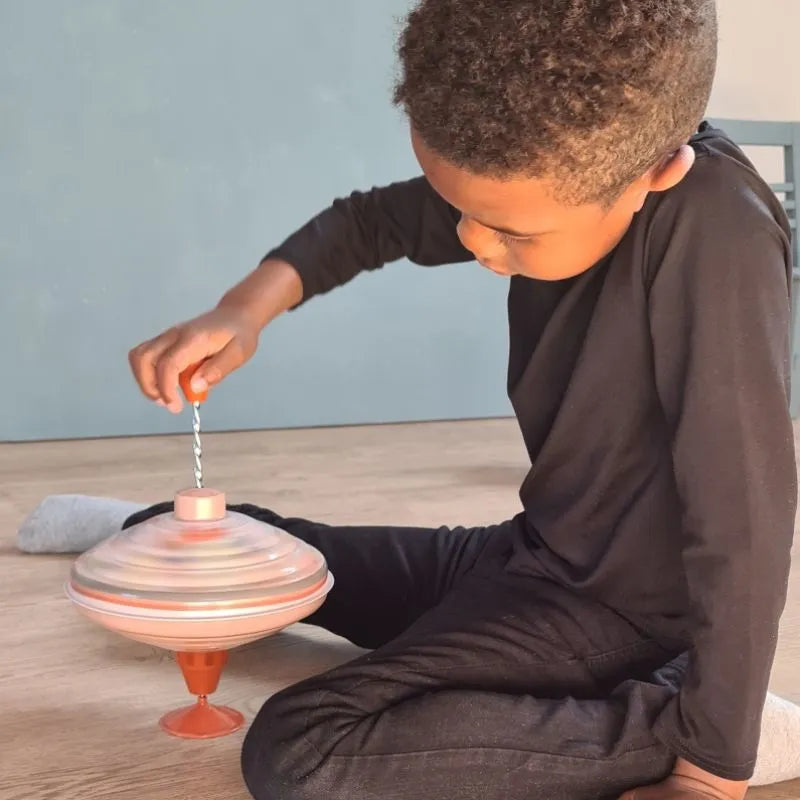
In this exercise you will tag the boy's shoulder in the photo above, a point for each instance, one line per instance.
(723, 203)
(723, 182)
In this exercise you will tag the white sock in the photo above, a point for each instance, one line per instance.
(72, 523)
(779, 751)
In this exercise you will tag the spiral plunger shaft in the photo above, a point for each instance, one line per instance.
(197, 448)
(195, 398)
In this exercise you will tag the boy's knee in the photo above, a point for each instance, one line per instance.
(279, 759)
(269, 753)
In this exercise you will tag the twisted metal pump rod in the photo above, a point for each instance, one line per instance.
(195, 398)
(197, 448)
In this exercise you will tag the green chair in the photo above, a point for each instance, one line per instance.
(785, 135)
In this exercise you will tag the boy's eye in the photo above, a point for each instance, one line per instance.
(508, 239)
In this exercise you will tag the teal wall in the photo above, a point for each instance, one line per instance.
(150, 153)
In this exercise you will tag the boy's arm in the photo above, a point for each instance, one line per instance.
(369, 229)
(364, 231)
(719, 320)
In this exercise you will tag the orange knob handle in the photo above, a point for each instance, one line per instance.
(185, 381)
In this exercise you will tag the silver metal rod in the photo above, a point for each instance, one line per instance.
(196, 446)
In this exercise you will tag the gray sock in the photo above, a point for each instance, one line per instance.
(779, 751)
(72, 523)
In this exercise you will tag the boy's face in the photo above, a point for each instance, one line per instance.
(517, 227)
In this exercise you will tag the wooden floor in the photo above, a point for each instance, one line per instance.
(79, 706)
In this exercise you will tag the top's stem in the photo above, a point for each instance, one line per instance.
(200, 505)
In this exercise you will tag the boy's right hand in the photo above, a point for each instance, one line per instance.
(224, 339)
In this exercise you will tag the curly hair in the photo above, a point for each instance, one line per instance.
(588, 93)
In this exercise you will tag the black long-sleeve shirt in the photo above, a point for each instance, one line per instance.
(652, 395)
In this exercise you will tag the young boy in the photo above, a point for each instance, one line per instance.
(618, 632)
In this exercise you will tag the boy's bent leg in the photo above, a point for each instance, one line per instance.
(385, 577)
(501, 692)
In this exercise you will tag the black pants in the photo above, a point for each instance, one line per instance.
(479, 684)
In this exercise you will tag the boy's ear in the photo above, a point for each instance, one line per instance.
(669, 172)
(672, 170)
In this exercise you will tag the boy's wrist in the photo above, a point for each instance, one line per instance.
(688, 782)
(272, 288)
(712, 785)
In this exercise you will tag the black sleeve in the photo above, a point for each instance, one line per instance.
(369, 229)
(719, 315)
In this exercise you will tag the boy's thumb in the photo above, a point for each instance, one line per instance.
(214, 369)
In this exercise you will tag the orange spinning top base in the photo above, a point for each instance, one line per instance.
(202, 720)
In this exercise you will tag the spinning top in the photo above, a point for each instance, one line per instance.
(199, 581)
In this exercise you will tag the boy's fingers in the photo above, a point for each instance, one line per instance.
(172, 362)
(143, 360)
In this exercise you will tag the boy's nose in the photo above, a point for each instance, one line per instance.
(479, 240)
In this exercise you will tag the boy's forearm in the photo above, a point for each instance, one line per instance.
(269, 290)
